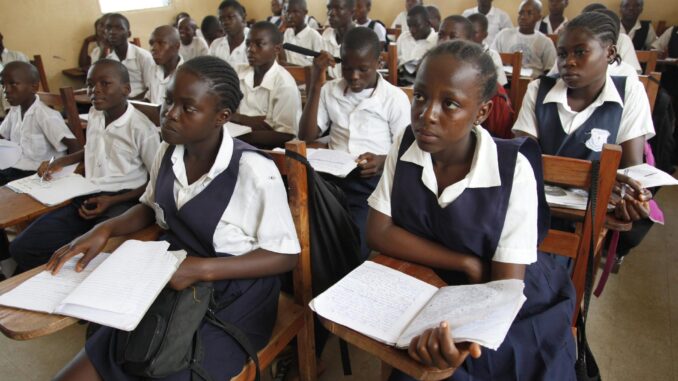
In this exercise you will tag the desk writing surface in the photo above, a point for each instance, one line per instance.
(18, 207)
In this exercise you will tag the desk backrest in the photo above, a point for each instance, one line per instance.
(389, 59)
(151, 110)
(37, 62)
(649, 58)
(65, 101)
(515, 60)
(651, 83)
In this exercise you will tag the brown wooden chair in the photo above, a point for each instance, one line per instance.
(37, 62)
(661, 27)
(151, 110)
(65, 101)
(136, 41)
(390, 60)
(651, 83)
(518, 85)
(395, 32)
(554, 38)
(301, 74)
(649, 58)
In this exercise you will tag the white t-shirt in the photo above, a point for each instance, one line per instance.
(539, 54)
(39, 134)
(308, 38)
(140, 65)
(257, 215)
(378, 29)
(496, 21)
(636, 117)
(277, 97)
(651, 34)
(198, 47)
(362, 122)
(118, 156)
(157, 88)
(401, 20)
(517, 242)
(235, 57)
(410, 49)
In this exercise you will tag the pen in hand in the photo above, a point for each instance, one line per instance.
(46, 169)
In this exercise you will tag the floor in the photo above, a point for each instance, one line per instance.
(633, 326)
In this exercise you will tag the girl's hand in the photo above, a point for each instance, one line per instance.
(477, 270)
(190, 271)
(370, 164)
(630, 199)
(90, 243)
(95, 206)
(435, 348)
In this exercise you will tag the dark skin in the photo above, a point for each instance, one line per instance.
(450, 30)
(447, 104)
(20, 88)
(479, 33)
(419, 26)
(409, 4)
(276, 7)
(556, 9)
(99, 37)
(433, 17)
(295, 18)
(192, 117)
(359, 70)
(582, 64)
(362, 11)
(117, 34)
(629, 11)
(528, 16)
(340, 16)
(484, 6)
(212, 34)
(187, 28)
(165, 45)
(233, 23)
(109, 94)
(261, 54)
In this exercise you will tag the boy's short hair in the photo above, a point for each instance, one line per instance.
(210, 22)
(458, 19)
(30, 70)
(124, 19)
(121, 70)
(480, 19)
(418, 10)
(233, 4)
(360, 39)
(301, 3)
(433, 10)
(272, 30)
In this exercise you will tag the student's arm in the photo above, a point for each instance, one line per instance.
(309, 130)
(84, 59)
(58, 164)
(93, 207)
(72, 145)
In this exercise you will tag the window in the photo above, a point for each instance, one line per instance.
(108, 6)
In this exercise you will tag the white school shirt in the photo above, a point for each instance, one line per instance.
(401, 20)
(118, 156)
(410, 49)
(277, 97)
(331, 46)
(312, 22)
(39, 133)
(157, 87)
(651, 34)
(366, 122)
(627, 52)
(258, 215)
(140, 65)
(235, 57)
(308, 38)
(636, 117)
(198, 47)
(549, 28)
(615, 69)
(496, 21)
(95, 54)
(662, 43)
(539, 54)
(378, 29)
(498, 65)
(517, 242)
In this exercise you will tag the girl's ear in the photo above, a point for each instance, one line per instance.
(612, 53)
(483, 112)
(223, 116)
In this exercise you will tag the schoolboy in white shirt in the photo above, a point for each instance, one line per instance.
(340, 15)
(361, 18)
(299, 33)
(413, 44)
(401, 20)
(7, 56)
(271, 102)
(191, 45)
(164, 44)
(497, 19)
(231, 47)
(121, 146)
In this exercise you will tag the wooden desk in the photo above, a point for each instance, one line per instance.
(75, 73)
(390, 355)
(18, 208)
(82, 98)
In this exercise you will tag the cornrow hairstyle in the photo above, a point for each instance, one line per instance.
(220, 76)
(27, 69)
(123, 74)
(124, 19)
(593, 7)
(273, 32)
(419, 10)
(233, 4)
(360, 39)
(466, 23)
(480, 19)
(473, 54)
(601, 24)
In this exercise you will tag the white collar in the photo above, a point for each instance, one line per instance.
(220, 164)
(121, 121)
(379, 94)
(131, 53)
(31, 109)
(558, 94)
(268, 82)
(160, 70)
(484, 172)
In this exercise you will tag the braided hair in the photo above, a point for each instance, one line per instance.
(473, 54)
(222, 79)
(602, 24)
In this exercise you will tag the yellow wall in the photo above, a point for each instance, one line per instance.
(55, 28)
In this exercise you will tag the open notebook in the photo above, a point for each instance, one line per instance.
(393, 307)
(114, 290)
(63, 186)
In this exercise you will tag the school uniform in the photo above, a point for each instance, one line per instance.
(497, 20)
(95, 55)
(331, 46)
(498, 65)
(620, 113)
(117, 159)
(544, 26)
(503, 191)
(277, 97)
(401, 21)
(361, 123)
(539, 54)
(236, 56)
(627, 52)
(157, 86)
(377, 27)
(198, 47)
(308, 38)
(39, 133)
(410, 49)
(238, 206)
(642, 34)
(140, 64)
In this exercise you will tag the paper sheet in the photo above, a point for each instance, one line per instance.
(649, 176)
(10, 153)
(55, 191)
(566, 198)
(337, 163)
(236, 130)
(524, 71)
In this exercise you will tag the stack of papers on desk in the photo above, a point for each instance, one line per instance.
(10, 153)
(63, 186)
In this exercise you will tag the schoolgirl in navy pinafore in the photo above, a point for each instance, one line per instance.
(250, 304)
(539, 344)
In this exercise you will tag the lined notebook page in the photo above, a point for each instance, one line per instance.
(55, 191)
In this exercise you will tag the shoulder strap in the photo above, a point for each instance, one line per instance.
(238, 335)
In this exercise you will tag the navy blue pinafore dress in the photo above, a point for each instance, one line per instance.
(251, 304)
(539, 344)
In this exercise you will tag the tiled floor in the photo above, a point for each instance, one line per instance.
(633, 327)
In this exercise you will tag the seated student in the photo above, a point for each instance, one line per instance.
(211, 29)
(667, 44)
(271, 102)
(164, 42)
(433, 17)
(121, 145)
(299, 33)
(554, 22)
(7, 56)
(138, 61)
(413, 44)
(441, 171)
(539, 54)
(251, 235)
(641, 32)
(401, 20)
(191, 45)
(276, 9)
(100, 50)
(363, 113)
(231, 48)
(340, 16)
(480, 25)
(575, 114)
(362, 18)
(496, 19)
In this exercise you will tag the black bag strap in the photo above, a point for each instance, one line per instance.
(238, 335)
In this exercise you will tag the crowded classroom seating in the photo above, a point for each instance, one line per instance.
(257, 138)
